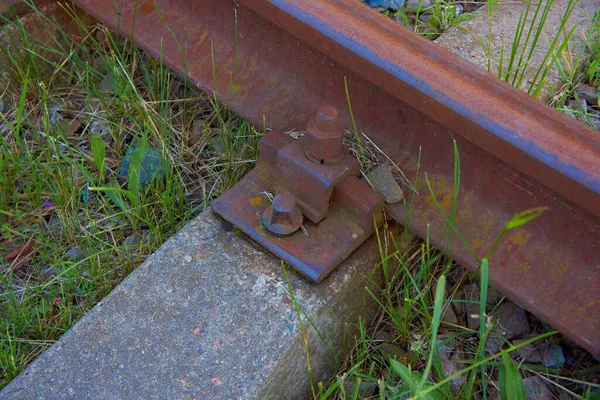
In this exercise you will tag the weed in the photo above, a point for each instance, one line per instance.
(419, 287)
(74, 99)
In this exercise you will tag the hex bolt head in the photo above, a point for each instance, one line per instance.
(323, 143)
(282, 217)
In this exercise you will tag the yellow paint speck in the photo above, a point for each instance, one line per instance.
(256, 201)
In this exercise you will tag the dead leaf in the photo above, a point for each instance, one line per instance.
(21, 256)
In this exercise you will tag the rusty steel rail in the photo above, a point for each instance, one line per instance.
(279, 60)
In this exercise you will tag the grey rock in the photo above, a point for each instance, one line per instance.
(393, 4)
(528, 353)
(494, 343)
(587, 93)
(383, 336)
(99, 127)
(76, 253)
(450, 366)
(362, 390)
(49, 273)
(469, 311)
(109, 84)
(565, 396)
(383, 181)
(54, 114)
(395, 352)
(449, 315)
(511, 321)
(537, 389)
(100, 65)
(132, 240)
(153, 165)
(552, 355)
(493, 392)
(417, 3)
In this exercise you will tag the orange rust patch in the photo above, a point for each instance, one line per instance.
(518, 239)
(146, 9)
(255, 201)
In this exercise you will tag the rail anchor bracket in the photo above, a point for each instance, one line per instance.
(304, 201)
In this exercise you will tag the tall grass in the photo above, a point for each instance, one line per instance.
(419, 286)
(75, 99)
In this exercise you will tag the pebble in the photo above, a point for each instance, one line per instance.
(588, 93)
(450, 366)
(417, 3)
(76, 253)
(109, 84)
(470, 311)
(393, 4)
(552, 355)
(537, 389)
(132, 240)
(395, 352)
(385, 184)
(493, 392)
(153, 165)
(512, 321)
(362, 390)
(54, 113)
(49, 273)
(528, 353)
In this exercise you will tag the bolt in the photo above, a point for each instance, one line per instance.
(323, 143)
(282, 217)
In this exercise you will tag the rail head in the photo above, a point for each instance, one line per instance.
(548, 146)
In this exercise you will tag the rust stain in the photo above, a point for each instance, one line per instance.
(146, 8)
(255, 201)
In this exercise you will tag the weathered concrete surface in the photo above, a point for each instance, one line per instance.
(207, 316)
(466, 40)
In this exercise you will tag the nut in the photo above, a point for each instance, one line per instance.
(323, 143)
(282, 217)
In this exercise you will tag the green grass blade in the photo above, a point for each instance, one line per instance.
(510, 380)
(99, 153)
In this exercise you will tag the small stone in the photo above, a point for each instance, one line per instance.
(449, 316)
(153, 165)
(100, 65)
(49, 273)
(383, 336)
(395, 352)
(361, 390)
(470, 310)
(493, 392)
(552, 355)
(512, 321)
(494, 343)
(383, 181)
(54, 113)
(109, 84)
(537, 389)
(132, 240)
(565, 396)
(386, 4)
(588, 93)
(528, 353)
(417, 4)
(450, 366)
(76, 253)
(99, 127)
